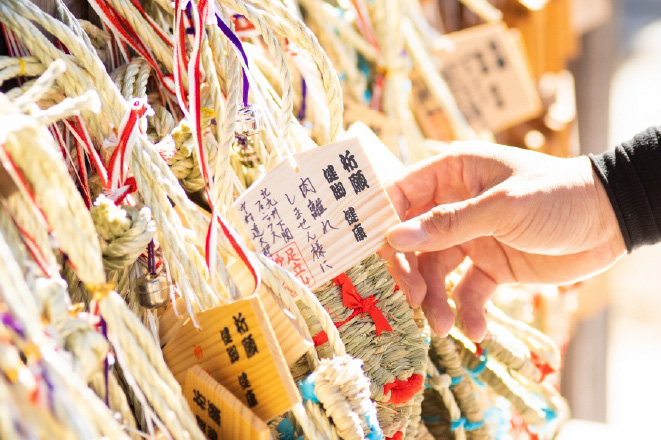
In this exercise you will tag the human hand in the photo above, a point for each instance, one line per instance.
(521, 217)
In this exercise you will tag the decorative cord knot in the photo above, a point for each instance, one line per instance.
(361, 306)
(544, 368)
(468, 426)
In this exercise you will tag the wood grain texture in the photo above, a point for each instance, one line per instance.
(212, 403)
(227, 359)
(324, 242)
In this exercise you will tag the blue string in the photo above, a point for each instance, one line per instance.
(468, 426)
(286, 430)
(456, 424)
(475, 372)
(307, 389)
(431, 419)
(550, 414)
(456, 380)
(373, 425)
(473, 426)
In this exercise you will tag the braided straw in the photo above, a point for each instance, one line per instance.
(511, 352)
(504, 385)
(294, 29)
(343, 390)
(55, 193)
(441, 384)
(132, 78)
(536, 340)
(125, 232)
(141, 26)
(445, 353)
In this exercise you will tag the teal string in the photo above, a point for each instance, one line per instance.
(286, 430)
(307, 389)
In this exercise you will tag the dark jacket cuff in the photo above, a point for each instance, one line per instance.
(631, 175)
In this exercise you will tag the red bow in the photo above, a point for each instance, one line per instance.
(352, 300)
(544, 368)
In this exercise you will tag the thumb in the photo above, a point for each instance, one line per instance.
(449, 225)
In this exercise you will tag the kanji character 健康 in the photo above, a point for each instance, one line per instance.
(233, 353)
(243, 381)
(225, 336)
(330, 174)
(359, 233)
(251, 399)
(214, 413)
(350, 216)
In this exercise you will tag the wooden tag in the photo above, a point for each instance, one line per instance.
(237, 347)
(432, 119)
(488, 76)
(219, 414)
(292, 340)
(322, 217)
(385, 128)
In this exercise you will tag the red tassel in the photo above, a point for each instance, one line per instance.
(544, 368)
(399, 435)
(401, 391)
(320, 338)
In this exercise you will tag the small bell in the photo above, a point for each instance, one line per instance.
(248, 121)
(153, 290)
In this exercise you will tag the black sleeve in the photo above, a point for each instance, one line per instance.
(631, 174)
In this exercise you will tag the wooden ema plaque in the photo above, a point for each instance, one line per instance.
(236, 346)
(219, 414)
(488, 76)
(385, 128)
(321, 216)
(291, 338)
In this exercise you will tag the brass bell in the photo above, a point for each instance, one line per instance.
(248, 121)
(153, 290)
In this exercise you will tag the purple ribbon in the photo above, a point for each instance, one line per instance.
(11, 322)
(235, 40)
(304, 92)
(106, 364)
(151, 258)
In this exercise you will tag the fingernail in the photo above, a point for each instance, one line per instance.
(407, 236)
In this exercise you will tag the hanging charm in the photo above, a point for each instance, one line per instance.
(249, 121)
(153, 289)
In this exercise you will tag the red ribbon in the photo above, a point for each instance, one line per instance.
(401, 391)
(320, 338)
(397, 436)
(352, 300)
(544, 368)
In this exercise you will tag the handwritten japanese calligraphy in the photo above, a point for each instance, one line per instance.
(313, 238)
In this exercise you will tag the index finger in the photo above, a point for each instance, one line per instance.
(429, 183)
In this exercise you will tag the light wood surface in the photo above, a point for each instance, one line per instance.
(252, 350)
(212, 403)
(324, 242)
